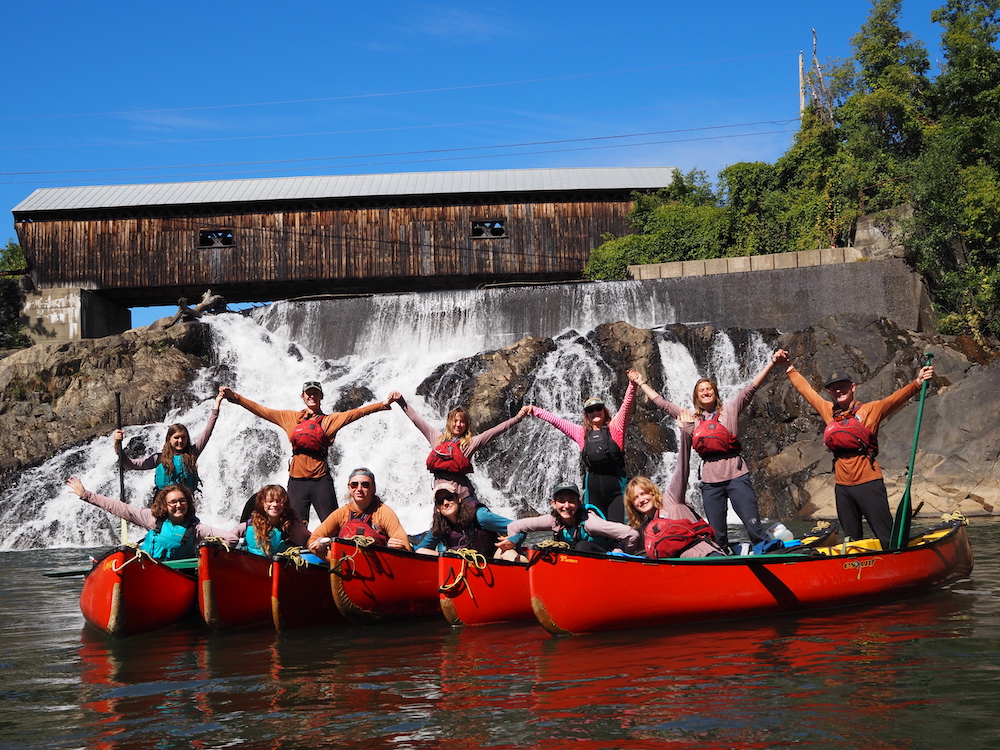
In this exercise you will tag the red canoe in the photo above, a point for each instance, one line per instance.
(129, 593)
(580, 593)
(484, 592)
(237, 588)
(234, 587)
(377, 584)
(300, 593)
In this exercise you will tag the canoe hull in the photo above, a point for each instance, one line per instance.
(301, 596)
(469, 595)
(379, 584)
(128, 594)
(644, 593)
(234, 587)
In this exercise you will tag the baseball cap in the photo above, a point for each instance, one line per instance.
(837, 376)
(312, 385)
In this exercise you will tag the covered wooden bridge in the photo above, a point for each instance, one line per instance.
(122, 246)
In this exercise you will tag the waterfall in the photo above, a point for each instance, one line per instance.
(382, 343)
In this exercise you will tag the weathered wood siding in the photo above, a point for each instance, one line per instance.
(312, 250)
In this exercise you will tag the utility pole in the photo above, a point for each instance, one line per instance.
(802, 83)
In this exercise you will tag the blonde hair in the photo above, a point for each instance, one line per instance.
(466, 436)
(698, 410)
(636, 485)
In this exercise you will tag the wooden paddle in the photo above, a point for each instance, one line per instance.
(901, 524)
(121, 467)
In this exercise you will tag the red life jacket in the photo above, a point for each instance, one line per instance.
(360, 524)
(846, 435)
(308, 437)
(712, 440)
(667, 537)
(447, 456)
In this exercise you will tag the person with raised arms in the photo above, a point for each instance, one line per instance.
(574, 523)
(450, 459)
(364, 515)
(273, 526)
(644, 502)
(174, 529)
(851, 434)
(601, 439)
(725, 477)
(177, 461)
(311, 433)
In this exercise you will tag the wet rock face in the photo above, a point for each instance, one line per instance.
(57, 395)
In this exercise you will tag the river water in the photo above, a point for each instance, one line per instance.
(917, 673)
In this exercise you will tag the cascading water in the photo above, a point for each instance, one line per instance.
(393, 342)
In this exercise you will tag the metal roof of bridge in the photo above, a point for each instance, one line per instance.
(346, 186)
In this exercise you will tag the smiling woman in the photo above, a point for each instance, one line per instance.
(174, 529)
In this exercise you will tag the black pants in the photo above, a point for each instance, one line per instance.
(869, 500)
(316, 492)
(604, 491)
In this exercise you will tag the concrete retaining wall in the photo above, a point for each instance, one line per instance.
(53, 315)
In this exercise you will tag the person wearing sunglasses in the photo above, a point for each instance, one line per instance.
(601, 439)
(450, 459)
(462, 523)
(852, 435)
(364, 515)
(724, 475)
(311, 433)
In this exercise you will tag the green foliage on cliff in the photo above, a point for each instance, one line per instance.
(878, 132)
(11, 335)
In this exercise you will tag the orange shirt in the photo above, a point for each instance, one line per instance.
(852, 470)
(383, 517)
(304, 466)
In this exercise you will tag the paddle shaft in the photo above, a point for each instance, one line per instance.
(901, 524)
(121, 467)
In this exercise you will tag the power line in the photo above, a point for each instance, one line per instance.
(418, 161)
(409, 153)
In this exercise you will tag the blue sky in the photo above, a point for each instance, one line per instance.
(116, 92)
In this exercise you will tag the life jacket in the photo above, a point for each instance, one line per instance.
(600, 451)
(846, 435)
(277, 538)
(579, 533)
(171, 541)
(667, 537)
(713, 441)
(474, 537)
(309, 438)
(361, 524)
(447, 456)
(180, 475)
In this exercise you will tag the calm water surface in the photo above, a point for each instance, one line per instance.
(917, 673)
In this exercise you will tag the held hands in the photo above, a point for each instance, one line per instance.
(525, 411)
(636, 377)
(227, 393)
(393, 397)
(75, 486)
(218, 400)
(925, 373)
(780, 358)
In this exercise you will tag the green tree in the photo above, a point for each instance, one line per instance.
(11, 334)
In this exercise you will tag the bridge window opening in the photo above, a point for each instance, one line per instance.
(216, 238)
(488, 229)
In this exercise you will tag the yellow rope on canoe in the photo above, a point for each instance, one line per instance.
(552, 544)
(360, 543)
(219, 540)
(294, 556)
(139, 554)
(469, 557)
(956, 516)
